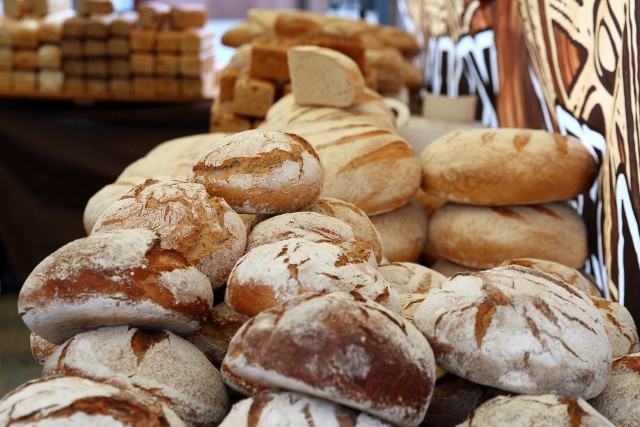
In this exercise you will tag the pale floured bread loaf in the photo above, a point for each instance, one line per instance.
(203, 228)
(100, 201)
(506, 167)
(260, 171)
(516, 328)
(324, 77)
(410, 278)
(164, 366)
(122, 277)
(214, 336)
(271, 274)
(239, 385)
(41, 349)
(620, 326)
(321, 352)
(449, 268)
(74, 401)
(310, 226)
(620, 400)
(569, 275)
(527, 411)
(403, 232)
(363, 228)
(288, 409)
(483, 237)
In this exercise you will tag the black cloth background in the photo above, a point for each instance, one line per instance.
(55, 155)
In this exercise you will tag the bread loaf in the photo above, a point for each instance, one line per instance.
(41, 349)
(115, 278)
(449, 268)
(483, 236)
(620, 401)
(204, 229)
(516, 328)
(188, 16)
(410, 278)
(506, 167)
(273, 273)
(322, 353)
(108, 194)
(261, 171)
(403, 232)
(240, 385)
(158, 363)
(620, 327)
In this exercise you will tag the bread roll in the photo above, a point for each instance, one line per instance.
(410, 278)
(403, 232)
(284, 408)
(114, 278)
(483, 236)
(324, 77)
(261, 171)
(73, 401)
(321, 352)
(41, 349)
(544, 410)
(506, 167)
(620, 327)
(204, 229)
(164, 366)
(620, 401)
(516, 328)
(273, 273)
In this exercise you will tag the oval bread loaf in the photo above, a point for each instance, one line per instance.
(500, 167)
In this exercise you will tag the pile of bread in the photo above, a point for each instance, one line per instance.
(257, 75)
(160, 51)
(316, 327)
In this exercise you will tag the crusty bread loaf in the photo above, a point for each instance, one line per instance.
(204, 229)
(41, 349)
(620, 327)
(261, 171)
(449, 268)
(273, 273)
(410, 278)
(569, 275)
(321, 352)
(620, 401)
(483, 236)
(269, 57)
(544, 410)
(516, 328)
(74, 401)
(403, 232)
(107, 195)
(506, 167)
(238, 385)
(122, 277)
(324, 77)
(363, 229)
(297, 23)
(164, 366)
(285, 408)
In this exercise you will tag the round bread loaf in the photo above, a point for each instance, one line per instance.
(363, 228)
(516, 328)
(241, 386)
(528, 411)
(449, 268)
(203, 228)
(620, 400)
(569, 275)
(100, 201)
(271, 274)
(620, 326)
(213, 338)
(410, 278)
(483, 237)
(403, 232)
(339, 347)
(121, 277)
(261, 171)
(41, 349)
(164, 366)
(288, 409)
(74, 401)
(506, 167)
(310, 226)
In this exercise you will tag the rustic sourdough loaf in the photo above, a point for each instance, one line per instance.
(506, 167)
(321, 352)
(341, 85)
(620, 400)
(620, 327)
(403, 232)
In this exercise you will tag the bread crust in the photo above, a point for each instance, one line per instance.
(619, 401)
(403, 232)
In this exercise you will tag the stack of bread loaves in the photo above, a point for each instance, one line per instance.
(506, 193)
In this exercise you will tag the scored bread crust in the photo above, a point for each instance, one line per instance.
(620, 401)
(121, 277)
(261, 171)
(515, 328)
(620, 327)
(342, 348)
(484, 236)
(506, 167)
